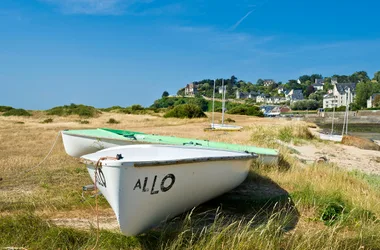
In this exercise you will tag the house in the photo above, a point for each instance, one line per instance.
(280, 90)
(319, 81)
(371, 101)
(294, 95)
(268, 82)
(241, 95)
(250, 95)
(262, 98)
(317, 86)
(190, 89)
(341, 94)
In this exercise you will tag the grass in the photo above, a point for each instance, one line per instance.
(290, 206)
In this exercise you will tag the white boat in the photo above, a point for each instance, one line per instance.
(87, 141)
(152, 183)
(330, 137)
(225, 127)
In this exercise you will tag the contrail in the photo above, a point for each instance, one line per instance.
(241, 20)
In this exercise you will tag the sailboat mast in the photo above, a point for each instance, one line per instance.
(348, 108)
(223, 98)
(213, 105)
(345, 114)
(332, 123)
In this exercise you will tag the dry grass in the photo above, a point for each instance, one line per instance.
(53, 190)
(359, 142)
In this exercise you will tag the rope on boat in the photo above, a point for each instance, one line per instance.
(98, 165)
(39, 164)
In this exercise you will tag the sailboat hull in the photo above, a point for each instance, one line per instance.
(330, 137)
(144, 193)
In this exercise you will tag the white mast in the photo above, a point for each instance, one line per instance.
(332, 123)
(348, 108)
(223, 97)
(213, 105)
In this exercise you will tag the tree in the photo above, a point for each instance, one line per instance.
(304, 78)
(165, 94)
(260, 82)
(181, 92)
(377, 76)
(363, 92)
(315, 76)
(376, 101)
(309, 90)
(359, 76)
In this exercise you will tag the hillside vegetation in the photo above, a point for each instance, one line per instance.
(74, 109)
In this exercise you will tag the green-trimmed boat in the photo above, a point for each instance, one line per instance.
(81, 142)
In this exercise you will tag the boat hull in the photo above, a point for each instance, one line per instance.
(78, 143)
(225, 127)
(329, 137)
(144, 196)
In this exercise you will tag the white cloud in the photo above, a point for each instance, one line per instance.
(95, 7)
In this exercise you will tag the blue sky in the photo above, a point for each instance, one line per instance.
(122, 52)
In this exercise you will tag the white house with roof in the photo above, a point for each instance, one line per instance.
(294, 95)
(268, 82)
(340, 96)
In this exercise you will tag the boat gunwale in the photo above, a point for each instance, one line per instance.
(146, 142)
(171, 162)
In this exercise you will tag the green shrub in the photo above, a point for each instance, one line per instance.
(17, 112)
(113, 121)
(74, 109)
(49, 120)
(186, 111)
(246, 110)
(5, 108)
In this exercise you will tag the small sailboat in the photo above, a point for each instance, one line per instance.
(222, 126)
(331, 136)
(82, 142)
(148, 184)
(336, 137)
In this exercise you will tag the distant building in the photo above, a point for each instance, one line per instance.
(370, 101)
(191, 89)
(341, 94)
(317, 86)
(243, 95)
(319, 81)
(268, 82)
(294, 95)
(267, 99)
(280, 90)
(334, 80)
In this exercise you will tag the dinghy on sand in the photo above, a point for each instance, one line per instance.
(81, 142)
(144, 191)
